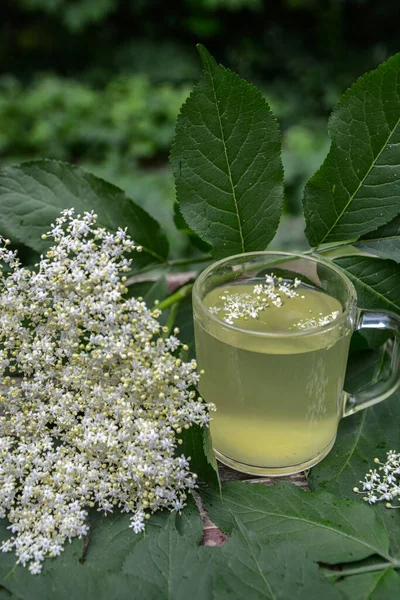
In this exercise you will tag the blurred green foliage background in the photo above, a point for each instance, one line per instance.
(100, 82)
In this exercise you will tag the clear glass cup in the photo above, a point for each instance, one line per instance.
(279, 396)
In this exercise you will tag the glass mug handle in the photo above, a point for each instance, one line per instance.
(381, 389)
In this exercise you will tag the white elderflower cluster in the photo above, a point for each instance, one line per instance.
(319, 321)
(92, 397)
(383, 484)
(249, 305)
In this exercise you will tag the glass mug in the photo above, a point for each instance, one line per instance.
(279, 395)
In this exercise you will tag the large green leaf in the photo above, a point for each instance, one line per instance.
(33, 194)
(381, 585)
(6, 595)
(100, 575)
(361, 438)
(332, 530)
(358, 186)
(365, 368)
(168, 563)
(377, 281)
(111, 539)
(226, 159)
(250, 567)
(384, 241)
(184, 228)
(171, 565)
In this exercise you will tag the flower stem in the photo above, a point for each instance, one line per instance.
(177, 296)
(394, 564)
(337, 250)
(171, 319)
(179, 262)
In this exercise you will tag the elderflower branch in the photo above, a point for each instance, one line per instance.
(95, 419)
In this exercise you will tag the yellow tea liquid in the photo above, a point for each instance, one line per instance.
(278, 398)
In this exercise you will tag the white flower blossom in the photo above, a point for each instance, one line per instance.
(92, 400)
(382, 484)
(317, 321)
(249, 305)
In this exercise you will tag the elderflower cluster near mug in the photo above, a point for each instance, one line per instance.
(272, 335)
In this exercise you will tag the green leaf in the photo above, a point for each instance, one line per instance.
(99, 576)
(150, 291)
(33, 194)
(209, 452)
(330, 529)
(384, 241)
(111, 538)
(171, 565)
(6, 595)
(183, 227)
(358, 186)
(377, 281)
(250, 567)
(381, 585)
(226, 159)
(197, 444)
(184, 321)
(366, 367)
(369, 339)
(362, 437)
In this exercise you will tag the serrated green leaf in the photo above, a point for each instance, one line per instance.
(384, 241)
(33, 194)
(198, 445)
(381, 585)
(226, 159)
(362, 437)
(78, 583)
(377, 281)
(111, 538)
(331, 529)
(98, 577)
(183, 227)
(170, 564)
(250, 567)
(358, 186)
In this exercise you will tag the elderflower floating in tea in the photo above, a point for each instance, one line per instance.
(318, 321)
(93, 399)
(384, 483)
(238, 305)
(247, 301)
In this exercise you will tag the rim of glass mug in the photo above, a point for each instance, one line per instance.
(343, 317)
